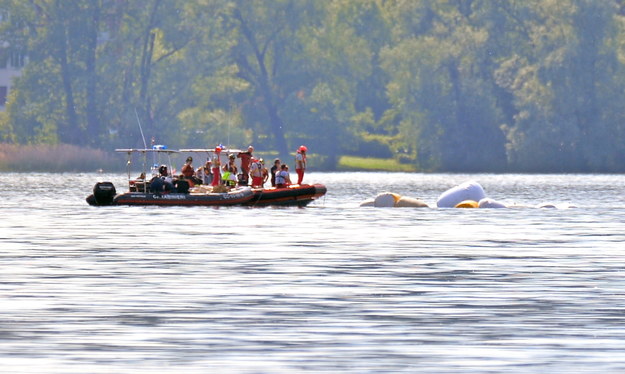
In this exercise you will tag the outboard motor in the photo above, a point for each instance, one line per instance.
(182, 186)
(103, 193)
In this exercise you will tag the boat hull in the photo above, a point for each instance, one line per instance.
(181, 199)
(298, 195)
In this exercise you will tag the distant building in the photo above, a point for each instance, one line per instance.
(12, 61)
(11, 64)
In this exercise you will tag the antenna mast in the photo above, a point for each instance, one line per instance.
(145, 146)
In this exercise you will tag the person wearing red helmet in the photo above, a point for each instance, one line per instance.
(300, 163)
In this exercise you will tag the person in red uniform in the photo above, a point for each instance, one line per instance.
(216, 167)
(188, 172)
(300, 163)
(246, 161)
(257, 173)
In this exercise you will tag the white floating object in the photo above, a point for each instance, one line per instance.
(466, 191)
(386, 200)
(490, 203)
(410, 202)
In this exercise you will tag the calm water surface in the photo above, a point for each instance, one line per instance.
(329, 288)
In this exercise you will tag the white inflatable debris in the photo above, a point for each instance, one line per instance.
(409, 202)
(393, 200)
(470, 190)
(385, 200)
(490, 203)
(467, 204)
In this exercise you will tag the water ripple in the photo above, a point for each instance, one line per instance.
(329, 288)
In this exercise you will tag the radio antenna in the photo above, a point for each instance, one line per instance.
(145, 145)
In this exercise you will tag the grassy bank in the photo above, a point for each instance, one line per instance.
(71, 158)
(57, 158)
(352, 163)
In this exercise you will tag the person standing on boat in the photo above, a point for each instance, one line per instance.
(283, 179)
(274, 170)
(264, 171)
(300, 163)
(216, 167)
(246, 161)
(256, 171)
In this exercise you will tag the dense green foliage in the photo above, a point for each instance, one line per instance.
(441, 85)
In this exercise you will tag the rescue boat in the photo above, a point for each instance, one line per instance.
(140, 190)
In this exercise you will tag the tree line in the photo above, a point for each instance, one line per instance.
(444, 85)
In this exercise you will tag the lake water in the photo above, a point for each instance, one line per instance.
(329, 288)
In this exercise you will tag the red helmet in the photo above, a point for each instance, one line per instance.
(303, 148)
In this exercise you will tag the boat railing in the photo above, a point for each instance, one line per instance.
(140, 184)
(150, 168)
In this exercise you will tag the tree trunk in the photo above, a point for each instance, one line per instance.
(277, 127)
(275, 122)
(146, 68)
(93, 127)
(71, 132)
(460, 132)
(263, 80)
